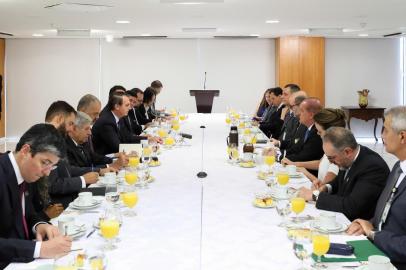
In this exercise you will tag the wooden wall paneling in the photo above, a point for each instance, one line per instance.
(288, 57)
(3, 108)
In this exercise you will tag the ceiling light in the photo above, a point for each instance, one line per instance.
(254, 35)
(109, 38)
(191, 2)
(122, 22)
(272, 21)
(37, 35)
(146, 35)
(363, 35)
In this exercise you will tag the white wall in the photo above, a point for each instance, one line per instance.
(40, 71)
(355, 64)
(240, 69)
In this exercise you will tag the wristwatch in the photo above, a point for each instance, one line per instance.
(371, 235)
(315, 195)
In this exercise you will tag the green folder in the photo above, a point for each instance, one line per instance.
(362, 250)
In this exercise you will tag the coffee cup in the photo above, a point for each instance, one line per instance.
(327, 220)
(291, 169)
(85, 198)
(64, 222)
(378, 262)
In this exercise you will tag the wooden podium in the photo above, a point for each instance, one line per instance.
(204, 99)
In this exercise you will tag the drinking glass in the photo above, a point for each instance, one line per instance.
(297, 205)
(131, 176)
(234, 153)
(283, 210)
(269, 160)
(321, 244)
(66, 262)
(130, 199)
(302, 247)
(282, 177)
(143, 173)
(109, 228)
(112, 195)
(133, 161)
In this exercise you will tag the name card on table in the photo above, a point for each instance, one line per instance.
(131, 148)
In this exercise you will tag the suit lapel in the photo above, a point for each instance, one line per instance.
(401, 188)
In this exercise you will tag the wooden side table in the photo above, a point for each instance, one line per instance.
(365, 114)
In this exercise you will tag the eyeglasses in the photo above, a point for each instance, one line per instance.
(47, 165)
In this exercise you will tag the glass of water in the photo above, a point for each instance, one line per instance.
(283, 210)
(303, 249)
(112, 195)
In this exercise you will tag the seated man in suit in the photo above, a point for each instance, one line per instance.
(144, 112)
(309, 146)
(109, 130)
(359, 183)
(66, 181)
(136, 97)
(271, 125)
(288, 91)
(38, 150)
(78, 149)
(291, 121)
(90, 105)
(387, 228)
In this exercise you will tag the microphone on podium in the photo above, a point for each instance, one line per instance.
(204, 85)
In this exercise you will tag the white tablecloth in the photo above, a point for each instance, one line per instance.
(169, 231)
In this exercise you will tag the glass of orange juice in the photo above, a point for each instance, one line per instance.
(298, 205)
(321, 244)
(130, 199)
(182, 117)
(269, 160)
(176, 127)
(133, 161)
(228, 120)
(131, 176)
(109, 228)
(282, 177)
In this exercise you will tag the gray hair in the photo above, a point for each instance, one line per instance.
(340, 138)
(85, 102)
(398, 117)
(82, 119)
(299, 99)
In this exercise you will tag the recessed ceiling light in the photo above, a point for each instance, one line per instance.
(122, 21)
(145, 35)
(272, 21)
(363, 35)
(37, 35)
(254, 35)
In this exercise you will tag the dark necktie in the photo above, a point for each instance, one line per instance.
(22, 188)
(306, 135)
(385, 196)
(82, 151)
(135, 116)
(91, 144)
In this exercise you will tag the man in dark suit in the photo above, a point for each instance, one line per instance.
(387, 228)
(90, 105)
(272, 123)
(359, 183)
(309, 146)
(136, 97)
(38, 150)
(79, 152)
(66, 181)
(108, 131)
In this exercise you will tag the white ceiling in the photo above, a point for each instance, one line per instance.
(22, 18)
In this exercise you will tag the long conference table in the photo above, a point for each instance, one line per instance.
(184, 222)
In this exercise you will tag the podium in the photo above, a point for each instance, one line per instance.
(204, 99)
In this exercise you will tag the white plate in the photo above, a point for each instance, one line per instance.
(92, 203)
(338, 228)
(268, 206)
(244, 165)
(365, 267)
(81, 207)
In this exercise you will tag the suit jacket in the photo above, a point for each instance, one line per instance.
(64, 182)
(13, 246)
(107, 136)
(392, 238)
(136, 127)
(305, 150)
(356, 195)
(288, 131)
(272, 124)
(142, 118)
(87, 158)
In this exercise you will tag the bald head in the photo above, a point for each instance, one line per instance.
(308, 108)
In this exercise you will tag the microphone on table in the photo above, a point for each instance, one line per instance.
(202, 173)
(185, 135)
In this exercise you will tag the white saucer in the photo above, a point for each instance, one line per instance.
(95, 203)
(338, 228)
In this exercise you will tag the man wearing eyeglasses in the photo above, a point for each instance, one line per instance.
(38, 150)
(360, 181)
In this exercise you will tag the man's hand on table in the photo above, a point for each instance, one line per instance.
(56, 247)
(360, 226)
(306, 193)
(91, 177)
(45, 230)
